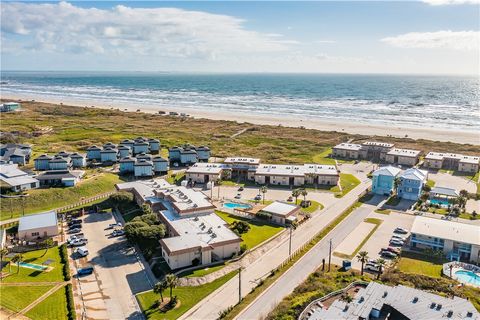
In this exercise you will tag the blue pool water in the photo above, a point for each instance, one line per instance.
(439, 202)
(32, 266)
(468, 277)
(233, 205)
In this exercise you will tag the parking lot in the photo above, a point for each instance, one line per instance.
(108, 293)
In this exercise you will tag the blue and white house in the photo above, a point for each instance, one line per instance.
(160, 165)
(78, 160)
(108, 155)
(59, 163)
(93, 153)
(203, 153)
(144, 156)
(143, 168)
(140, 146)
(126, 165)
(154, 145)
(383, 180)
(128, 143)
(42, 162)
(123, 151)
(188, 157)
(411, 183)
(109, 145)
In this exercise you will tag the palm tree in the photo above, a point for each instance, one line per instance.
(3, 252)
(304, 194)
(47, 243)
(396, 184)
(464, 193)
(171, 281)
(296, 194)
(381, 263)
(17, 259)
(263, 190)
(362, 257)
(159, 288)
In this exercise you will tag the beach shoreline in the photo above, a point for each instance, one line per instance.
(435, 134)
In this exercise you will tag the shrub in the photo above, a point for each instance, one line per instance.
(70, 302)
(121, 198)
(64, 261)
(264, 215)
(243, 248)
(240, 227)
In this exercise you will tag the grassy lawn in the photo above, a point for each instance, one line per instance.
(421, 264)
(383, 211)
(348, 182)
(175, 178)
(323, 157)
(16, 298)
(430, 183)
(202, 272)
(393, 201)
(313, 207)
(31, 275)
(53, 307)
(259, 231)
(46, 199)
(187, 296)
(438, 210)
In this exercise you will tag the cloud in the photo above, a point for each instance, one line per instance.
(450, 2)
(325, 41)
(169, 32)
(456, 40)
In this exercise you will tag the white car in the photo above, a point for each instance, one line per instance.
(118, 232)
(372, 267)
(114, 225)
(238, 196)
(82, 251)
(78, 242)
(397, 243)
(399, 238)
(400, 230)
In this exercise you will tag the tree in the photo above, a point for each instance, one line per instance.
(304, 194)
(17, 259)
(362, 257)
(397, 184)
(171, 281)
(381, 264)
(464, 193)
(3, 253)
(296, 194)
(121, 198)
(146, 209)
(263, 190)
(47, 243)
(159, 288)
(150, 218)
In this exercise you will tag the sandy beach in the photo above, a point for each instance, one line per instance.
(445, 135)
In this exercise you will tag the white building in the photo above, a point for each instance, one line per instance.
(204, 172)
(452, 161)
(347, 150)
(38, 226)
(282, 213)
(455, 239)
(405, 157)
(296, 175)
(15, 179)
(242, 167)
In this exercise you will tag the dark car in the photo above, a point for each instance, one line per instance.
(75, 226)
(388, 254)
(85, 271)
(75, 221)
(75, 230)
(240, 189)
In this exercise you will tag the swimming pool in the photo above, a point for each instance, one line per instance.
(468, 277)
(233, 205)
(439, 202)
(32, 266)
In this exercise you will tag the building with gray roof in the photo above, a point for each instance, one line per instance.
(38, 226)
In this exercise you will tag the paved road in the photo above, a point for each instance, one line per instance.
(227, 295)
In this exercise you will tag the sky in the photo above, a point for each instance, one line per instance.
(426, 37)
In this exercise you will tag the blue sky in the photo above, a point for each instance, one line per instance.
(436, 36)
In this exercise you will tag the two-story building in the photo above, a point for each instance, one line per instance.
(204, 172)
(451, 161)
(15, 153)
(347, 150)
(93, 153)
(143, 168)
(406, 157)
(383, 180)
(42, 162)
(78, 160)
(108, 155)
(242, 168)
(411, 183)
(11, 177)
(296, 175)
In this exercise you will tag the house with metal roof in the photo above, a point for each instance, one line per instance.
(78, 160)
(411, 183)
(160, 165)
(383, 180)
(282, 213)
(296, 175)
(38, 226)
(405, 157)
(42, 162)
(15, 179)
(93, 153)
(63, 178)
(15, 153)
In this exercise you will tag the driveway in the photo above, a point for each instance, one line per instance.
(452, 181)
(109, 293)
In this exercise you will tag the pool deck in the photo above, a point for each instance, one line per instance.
(460, 266)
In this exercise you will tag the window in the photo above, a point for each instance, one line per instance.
(35, 234)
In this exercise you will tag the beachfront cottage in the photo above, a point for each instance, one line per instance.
(347, 151)
(15, 179)
(140, 146)
(452, 161)
(109, 145)
(411, 183)
(78, 160)
(203, 153)
(383, 180)
(42, 162)
(242, 168)
(144, 156)
(126, 165)
(108, 155)
(62, 178)
(174, 154)
(93, 153)
(63, 154)
(143, 168)
(188, 157)
(59, 163)
(282, 213)
(456, 240)
(405, 157)
(15, 153)
(154, 145)
(184, 156)
(123, 151)
(128, 143)
(38, 226)
(204, 172)
(160, 165)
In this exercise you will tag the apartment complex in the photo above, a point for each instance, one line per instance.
(452, 161)
(296, 175)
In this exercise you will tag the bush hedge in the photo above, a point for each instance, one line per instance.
(65, 263)
(70, 302)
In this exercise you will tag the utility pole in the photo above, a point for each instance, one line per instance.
(239, 284)
(329, 255)
(290, 242)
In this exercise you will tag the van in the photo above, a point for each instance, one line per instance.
(82, 251)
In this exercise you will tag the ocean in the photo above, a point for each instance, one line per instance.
(450, 102)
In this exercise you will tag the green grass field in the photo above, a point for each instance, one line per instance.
(53, 307)
(202, 272)
(430, 183)
(421, 264)
(383, 211)
(258, 232)
(47, 199)
(347, 182)
(16, 298)
(187, 296)
(313, 207)
(31, 275)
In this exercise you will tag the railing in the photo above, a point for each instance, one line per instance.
(304, 314)
(84, 202)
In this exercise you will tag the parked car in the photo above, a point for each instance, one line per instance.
(78, 242)
(74, 221)
(400, 230)
(258, 197)
(75, 230)
(240, 189)
(392, 249)
(238, 196)
(114, 225)
(388, 254)
(75, 226)
(372, 267)
(397, 243)
(118, 232)
(399, 237)
(290, 199)
(85, 271)
(75, 237)
(81, 251)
